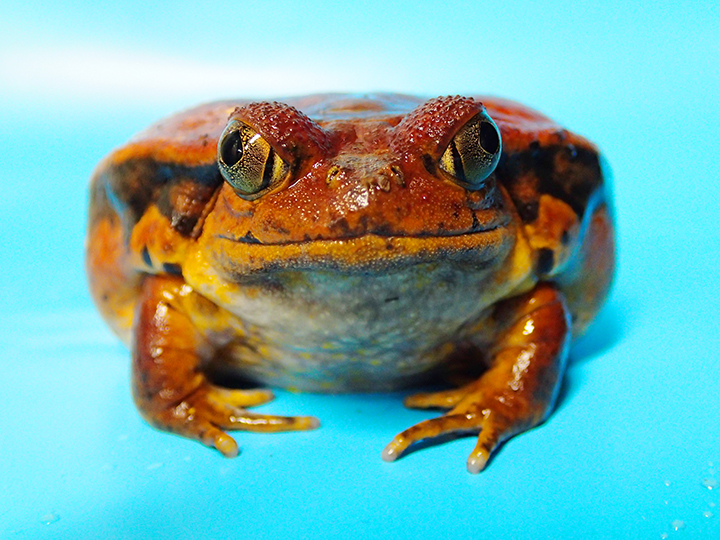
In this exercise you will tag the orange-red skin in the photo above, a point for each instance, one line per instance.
(363, 196)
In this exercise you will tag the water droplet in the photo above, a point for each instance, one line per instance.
(153, 466)
(710, 483)
(50, 518)
(664, 536)
(677, 524)
(667, 483)
(708, 514)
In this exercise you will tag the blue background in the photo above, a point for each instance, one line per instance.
(629, 452)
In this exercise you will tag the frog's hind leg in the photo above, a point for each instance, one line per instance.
(169, 386)
(519, 389)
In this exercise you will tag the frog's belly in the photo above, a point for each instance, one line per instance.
(322, 331)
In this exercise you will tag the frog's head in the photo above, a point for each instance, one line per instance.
(365, 181)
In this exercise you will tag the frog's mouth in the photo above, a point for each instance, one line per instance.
(500, 221)
(271, 233)
(365, 253)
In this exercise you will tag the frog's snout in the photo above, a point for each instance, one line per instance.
(365, 171)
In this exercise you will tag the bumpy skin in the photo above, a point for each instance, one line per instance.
(367, 268)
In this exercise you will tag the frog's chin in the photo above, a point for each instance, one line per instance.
(366, 253)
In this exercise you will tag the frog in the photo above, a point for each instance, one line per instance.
(357, 243)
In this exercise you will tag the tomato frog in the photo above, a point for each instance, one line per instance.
(351, 243)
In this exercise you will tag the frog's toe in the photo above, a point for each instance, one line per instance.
(213, 437)
(445, 400)
(208, 412)
(219, 406)
(487, 442)
(240, 398)
(197, 418)
(491, 430)
(434, 400)
(265, 423)
(452, 424)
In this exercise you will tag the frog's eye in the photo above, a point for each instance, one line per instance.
(248, 162)
(474, 152)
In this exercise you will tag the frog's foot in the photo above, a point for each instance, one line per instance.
(169, 386)
(469, 417)
(515, 394)
(210, 410)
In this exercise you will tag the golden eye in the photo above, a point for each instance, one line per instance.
(248, 162)
(474, 152)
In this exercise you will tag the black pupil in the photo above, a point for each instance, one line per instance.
(489, 139)
(231, 150)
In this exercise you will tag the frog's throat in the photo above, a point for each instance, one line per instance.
(365, 253)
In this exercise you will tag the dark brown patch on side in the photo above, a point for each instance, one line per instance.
(566, 172)
(180, 192)
(545, 262)
(100, 207)
(172, 269)
(146, 257)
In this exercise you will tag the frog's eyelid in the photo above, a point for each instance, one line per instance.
(289, 131)
(428, 129)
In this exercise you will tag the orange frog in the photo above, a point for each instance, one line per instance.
(341, 243)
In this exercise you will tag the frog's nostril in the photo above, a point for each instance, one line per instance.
(333, 176)
(397, 175)
(378, 172)
(384, 178)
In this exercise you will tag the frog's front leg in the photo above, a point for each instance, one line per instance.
(519, 389)
(169, 385)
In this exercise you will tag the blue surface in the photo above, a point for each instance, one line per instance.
(628, 453)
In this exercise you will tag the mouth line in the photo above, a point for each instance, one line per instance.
(242, 259)
(250, 239)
